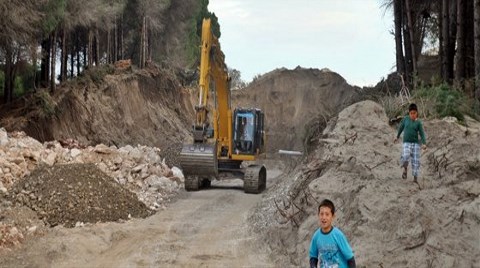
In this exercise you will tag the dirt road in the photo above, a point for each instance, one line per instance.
(202, 229)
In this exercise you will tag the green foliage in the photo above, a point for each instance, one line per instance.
(195, 32)
(204, 13)
(20, 85)
(18, 89)
(54, 13)
(441, 101)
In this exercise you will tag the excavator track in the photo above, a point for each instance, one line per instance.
(255, 179)
(198, 161)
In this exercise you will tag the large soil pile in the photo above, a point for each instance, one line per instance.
(77, 193)
(295, 100)
(390, 222)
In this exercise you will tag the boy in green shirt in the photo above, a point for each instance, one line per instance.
(411, 127)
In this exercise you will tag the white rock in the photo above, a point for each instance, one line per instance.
(50, 159)
(136, 154)
(125, 149)
(177, 172)
(3, 137)
(14, 231)
(139, 168)
(32, 229)
(103, 149)
(153, 157)
(75, 152)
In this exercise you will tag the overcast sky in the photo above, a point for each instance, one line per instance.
(350, 37)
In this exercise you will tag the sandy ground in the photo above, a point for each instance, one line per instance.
(201, 229)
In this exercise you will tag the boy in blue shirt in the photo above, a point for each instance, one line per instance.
(329, 246)
(411, 127)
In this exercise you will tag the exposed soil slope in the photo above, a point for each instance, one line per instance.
(293, 99)
(147, 107)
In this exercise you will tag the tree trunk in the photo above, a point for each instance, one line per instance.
(109, 47)
(149, 44)
(53, 61)
(477, 48)
(79, 49)
(90, 48)
(33, 51)
(460, 54)
(408, 52)
(452, 28)
(63, 72)
(115, 40)
(142, 44)
(97, 48)
(45, 63)
(397, 10)
(469, 39)
(412, 37)
(445, 41)
(8, 83)
(72, 54)
(121, 38)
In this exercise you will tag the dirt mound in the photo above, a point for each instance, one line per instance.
(68, 194)
(294, 100)
(390, 222)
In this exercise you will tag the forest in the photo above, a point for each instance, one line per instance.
(38, 35)
(449, 29)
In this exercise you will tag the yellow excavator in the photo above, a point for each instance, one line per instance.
(222, 139)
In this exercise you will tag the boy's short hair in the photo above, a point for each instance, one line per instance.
(327, 203)
(412, 107)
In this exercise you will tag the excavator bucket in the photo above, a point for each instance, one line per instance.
(199, 159)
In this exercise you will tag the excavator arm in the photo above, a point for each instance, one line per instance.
(212, 66)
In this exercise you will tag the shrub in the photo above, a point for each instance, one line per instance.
(441, 101)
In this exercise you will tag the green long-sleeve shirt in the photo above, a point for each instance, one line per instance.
(411, 130)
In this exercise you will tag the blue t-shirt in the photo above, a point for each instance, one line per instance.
(331, 248)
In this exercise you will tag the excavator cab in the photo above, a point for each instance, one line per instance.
(248, 133)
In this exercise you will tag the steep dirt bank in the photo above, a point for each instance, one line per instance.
(147, 107)
(294, 99)
(390, 222)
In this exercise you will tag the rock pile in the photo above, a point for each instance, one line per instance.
(139, 169)
(66, 183)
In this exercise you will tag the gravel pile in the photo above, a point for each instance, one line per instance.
(72, 194)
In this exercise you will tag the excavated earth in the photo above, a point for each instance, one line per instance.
(110, 138)
(76, 193)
